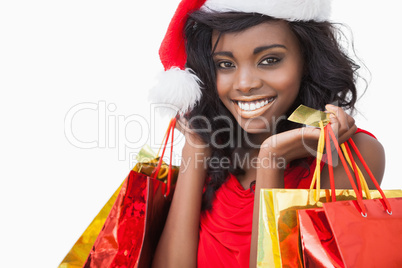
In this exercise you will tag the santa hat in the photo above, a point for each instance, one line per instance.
(179, 86)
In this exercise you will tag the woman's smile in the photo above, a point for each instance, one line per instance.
(253, 108)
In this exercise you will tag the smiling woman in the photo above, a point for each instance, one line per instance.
(87, 51)
(258, 79)
(254, 69)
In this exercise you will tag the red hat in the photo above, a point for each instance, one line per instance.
(179, 86)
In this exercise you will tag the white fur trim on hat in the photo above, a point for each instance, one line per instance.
(291, 10)
(179, 88)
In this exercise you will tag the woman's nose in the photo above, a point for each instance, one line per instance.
(247, 79)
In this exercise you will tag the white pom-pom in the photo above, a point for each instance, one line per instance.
(292, 10)
(178, 89)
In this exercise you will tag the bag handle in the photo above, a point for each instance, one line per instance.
(359, 196)
(386, 203)
(330, 134)
(170, 129)
(362, 184)
(324, 140)
(317, 172)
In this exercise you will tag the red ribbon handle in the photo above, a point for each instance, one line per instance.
(357, 190)
(386, 203)
(345, 165)
(171, 127)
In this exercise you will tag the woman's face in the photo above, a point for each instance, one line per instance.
(258, 74)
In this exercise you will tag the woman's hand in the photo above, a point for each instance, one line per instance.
(302, 142)
(342, 123)
(193, 141)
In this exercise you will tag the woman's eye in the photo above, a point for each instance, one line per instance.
(225, 65)
(269, 61)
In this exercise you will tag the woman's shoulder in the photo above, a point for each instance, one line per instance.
(372, 152)
(360, 130)
(367, 143)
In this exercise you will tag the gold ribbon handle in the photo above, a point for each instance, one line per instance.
(315, 118)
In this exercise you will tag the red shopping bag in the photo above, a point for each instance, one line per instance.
(354, 233)
(132, 229)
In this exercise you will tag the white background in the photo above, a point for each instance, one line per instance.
(55, 55)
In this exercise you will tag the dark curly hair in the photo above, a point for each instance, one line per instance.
(330, 76)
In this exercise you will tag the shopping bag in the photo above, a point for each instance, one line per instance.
(129, 234)
(278, 234)
(354, 233)
(78, 254)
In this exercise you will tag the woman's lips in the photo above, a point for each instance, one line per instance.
(254, 108)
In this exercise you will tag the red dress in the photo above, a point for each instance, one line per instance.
(225, 230)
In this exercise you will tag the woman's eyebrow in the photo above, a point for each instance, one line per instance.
(261, 49)
(223, 53)
(256, 50)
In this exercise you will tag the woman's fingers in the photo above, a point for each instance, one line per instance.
(339, 117)
(181, 125)
(342, 123)
(192, 138)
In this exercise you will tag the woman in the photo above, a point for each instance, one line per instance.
(255, 67)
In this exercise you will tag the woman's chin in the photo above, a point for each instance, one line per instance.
(263, 132)
(255, 126)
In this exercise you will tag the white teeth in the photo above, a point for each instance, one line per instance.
(253, 105)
